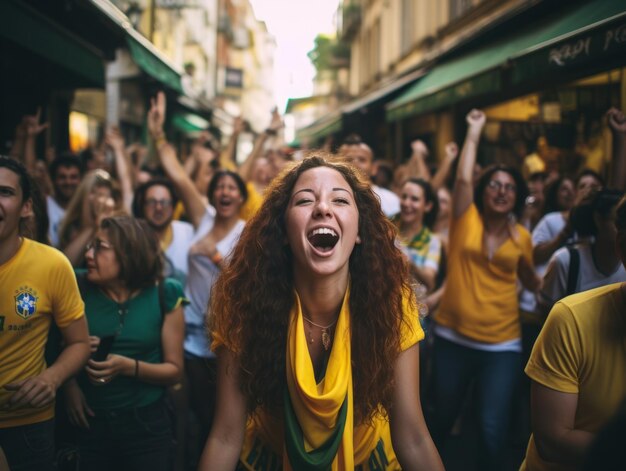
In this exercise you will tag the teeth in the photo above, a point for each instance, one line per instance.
(323, 230)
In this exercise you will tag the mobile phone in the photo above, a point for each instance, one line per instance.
(103, 348)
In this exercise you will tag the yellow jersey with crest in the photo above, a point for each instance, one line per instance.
(37, 286)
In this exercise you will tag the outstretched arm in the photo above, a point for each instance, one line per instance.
(115, 141)
(463, 186)
(445, 166)
(192, 199)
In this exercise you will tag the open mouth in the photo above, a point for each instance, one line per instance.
(323, 239)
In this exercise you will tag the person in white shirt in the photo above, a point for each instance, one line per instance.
(361, 156)
(65, 173)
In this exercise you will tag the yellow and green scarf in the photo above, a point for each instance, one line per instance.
(317, 429)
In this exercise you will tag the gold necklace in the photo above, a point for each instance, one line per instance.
(325, 333)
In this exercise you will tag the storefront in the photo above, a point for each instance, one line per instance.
(553, 77)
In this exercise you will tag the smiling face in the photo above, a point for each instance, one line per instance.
(500, 193)
(103, 267)
(413, 204)
(66, 182)
(227, 198)
(322, 223)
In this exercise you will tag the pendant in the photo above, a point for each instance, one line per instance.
(325, 339)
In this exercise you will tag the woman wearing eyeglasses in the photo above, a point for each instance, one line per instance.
(137, 327)
(217, 229)
(477, 333)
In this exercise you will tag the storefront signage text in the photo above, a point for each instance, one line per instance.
(596, 44)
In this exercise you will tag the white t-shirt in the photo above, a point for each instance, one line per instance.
(201, 276)
(176, 253)
(546, 230)
(55, 215)
(555, 279)
(389, 201)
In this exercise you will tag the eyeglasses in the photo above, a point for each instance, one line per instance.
(153, 203)
(97, 245)
(495, 185)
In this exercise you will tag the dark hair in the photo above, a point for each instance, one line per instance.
(227, 173)
(538, 176)
(521, 190)
(139, 199)
(18, 168)
(134, 236)
(599, 202)
(65, 160)
(352, 139)
(551, 203)
(588, 172)
(431, 197)
(36, 226)
(252, 298)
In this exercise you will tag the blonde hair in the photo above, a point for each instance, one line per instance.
(73, 215)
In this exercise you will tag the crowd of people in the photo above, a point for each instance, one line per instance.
(324, 312)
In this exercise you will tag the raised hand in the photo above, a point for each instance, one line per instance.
(617, 120)
(31, 124)
(452, 150)
(156, 115)
(277, 122)
(476, 119)
(114, 139)
(418, 147)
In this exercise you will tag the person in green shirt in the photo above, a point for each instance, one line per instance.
(118, 400)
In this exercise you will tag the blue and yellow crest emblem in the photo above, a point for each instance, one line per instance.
(25, 303)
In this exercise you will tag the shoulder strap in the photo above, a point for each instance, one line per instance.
(574, 267)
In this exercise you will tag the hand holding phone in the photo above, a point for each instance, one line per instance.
(104, 348)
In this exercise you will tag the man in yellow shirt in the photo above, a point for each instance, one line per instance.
(578, 371)
(37, 286)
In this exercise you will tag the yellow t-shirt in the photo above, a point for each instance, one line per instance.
(252, 204)
(480, 300)
(36, 285)
(582, 350)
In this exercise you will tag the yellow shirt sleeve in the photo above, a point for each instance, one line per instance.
(67, 304)
(411, 332)
(556, 356)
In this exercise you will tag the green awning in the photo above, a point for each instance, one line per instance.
(321, 128)
(36, 33)
(479, 72)
(189, 123)
(153, 65)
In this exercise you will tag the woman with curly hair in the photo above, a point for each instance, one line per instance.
(316, 333)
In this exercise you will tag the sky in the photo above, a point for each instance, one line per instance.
(294, 24)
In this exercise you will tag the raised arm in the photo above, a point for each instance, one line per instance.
(227, 156)
(190, 196)
(416, 166)
(33, 129)
(617, 123)
(115, 141)
(409, 434)
(462, 195)
(445, 166)
(223, 446)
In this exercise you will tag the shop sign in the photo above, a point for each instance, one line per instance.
(233, 78)
(177, 4)
(601, 43)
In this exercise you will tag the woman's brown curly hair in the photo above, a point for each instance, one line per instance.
(254, 295)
